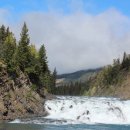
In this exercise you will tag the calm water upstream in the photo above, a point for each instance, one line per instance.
(78, 113)
(62, 127)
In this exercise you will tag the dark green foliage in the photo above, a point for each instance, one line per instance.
(53, 81)
(2, 40)
(113, 74)
(72, 88)
(10, 47)
(2, 34)
(54, 77)
(7, 47)
(126, 61)
(25, 57)
(22, 53)
(43, 59)
(109, 77)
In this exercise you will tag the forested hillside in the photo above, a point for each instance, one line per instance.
(113, 80)
(23, 56)
(25, 78)
(74, 83)
(78, 75)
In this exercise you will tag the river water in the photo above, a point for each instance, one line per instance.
(78, 113)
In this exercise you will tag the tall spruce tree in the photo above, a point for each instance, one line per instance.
(33, 69)
(10, 46)
(53, 81)
(23, 54)
(126, 61)
(2, 34)
(2, 39)
(43, 60)
(54, 77)
(45, 77)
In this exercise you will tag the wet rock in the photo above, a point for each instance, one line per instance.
(71, 106)
(87, 112)
(78, 117)
(83, 113)
(49, 108)
(62, 108)
(88, 118)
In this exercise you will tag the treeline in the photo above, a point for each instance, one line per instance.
(72, 88)
(23, 56)
(108, 76)
(113, 74)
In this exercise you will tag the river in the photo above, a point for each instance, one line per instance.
(78, 113)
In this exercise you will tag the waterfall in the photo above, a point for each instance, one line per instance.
(89, 110)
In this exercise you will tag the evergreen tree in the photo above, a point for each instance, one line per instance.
(53, 81)
(54, 77)
(45, 79)
(33, 51)
(2, 39)
(125, 62)
(25, 57)
(2, 34)
(43, 60)
(45, 76)
(33, 69)
(10, 46)
(23, 54)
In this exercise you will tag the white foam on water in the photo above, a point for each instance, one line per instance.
(16, 121)
(83, 110)
(89, 110)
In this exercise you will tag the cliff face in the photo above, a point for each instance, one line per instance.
(17, 99)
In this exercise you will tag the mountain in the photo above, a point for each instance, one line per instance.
(110, 81)
(81, 76)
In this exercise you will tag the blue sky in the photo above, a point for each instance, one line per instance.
(75, 32)
(18, 7)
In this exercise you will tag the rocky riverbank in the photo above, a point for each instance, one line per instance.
(17, 99)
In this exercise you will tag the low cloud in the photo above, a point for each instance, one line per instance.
(4, 16)
(79, 40)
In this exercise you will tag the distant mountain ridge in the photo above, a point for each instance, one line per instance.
(81, 75)
(77, 74)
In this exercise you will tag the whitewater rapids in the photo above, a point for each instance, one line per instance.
(88, 110)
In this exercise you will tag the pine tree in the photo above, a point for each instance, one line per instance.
(23, 54)
(125, 62)
(33, 51)
(54, 77)
(53, 81)
(10, 46)
(45, 76)
(33, 69)
(43, 60)
(2, 34)
(2, 39)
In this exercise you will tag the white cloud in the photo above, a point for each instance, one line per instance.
(79, 40)
(4, 15)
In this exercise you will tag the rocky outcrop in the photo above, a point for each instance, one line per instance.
(17, 99)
